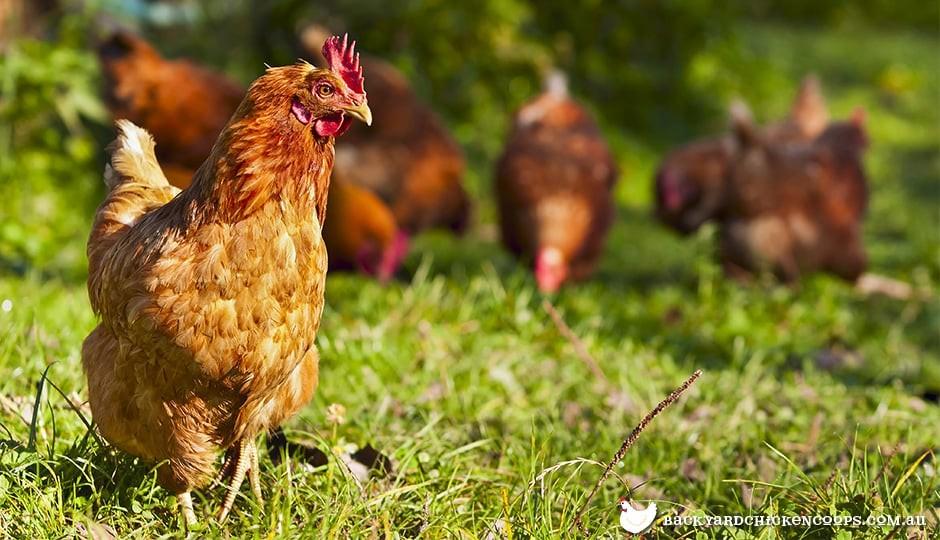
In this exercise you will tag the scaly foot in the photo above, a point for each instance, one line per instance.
(244, 460)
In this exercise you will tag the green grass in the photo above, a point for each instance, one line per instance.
(493, 421)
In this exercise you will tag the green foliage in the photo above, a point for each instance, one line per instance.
(48, 156)
(902, 14)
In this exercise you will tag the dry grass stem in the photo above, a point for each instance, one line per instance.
(630, 440)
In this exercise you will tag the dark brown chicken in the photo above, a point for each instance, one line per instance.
(183, 105)
(210, 298)
(691, 183)
(796, 209)
(554, 186)
(408, 158)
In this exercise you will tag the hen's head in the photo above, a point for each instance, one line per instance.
(383, 258)
(551, 269)
(303, 96)
(690, 184)
(850, 135)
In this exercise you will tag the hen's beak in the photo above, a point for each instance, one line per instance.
(361, 111)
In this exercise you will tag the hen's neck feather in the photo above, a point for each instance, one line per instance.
(260, 158)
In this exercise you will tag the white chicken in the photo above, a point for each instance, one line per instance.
(636, 521)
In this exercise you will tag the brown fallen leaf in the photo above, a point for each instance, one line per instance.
(691, 469)
(92, 530)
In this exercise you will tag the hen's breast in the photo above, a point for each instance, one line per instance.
(241, 304)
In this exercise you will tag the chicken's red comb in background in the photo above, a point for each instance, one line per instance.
(342, 58)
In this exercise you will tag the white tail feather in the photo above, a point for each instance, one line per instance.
(133, 158)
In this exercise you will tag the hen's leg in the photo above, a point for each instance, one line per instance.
(244, 461)
(186, 507)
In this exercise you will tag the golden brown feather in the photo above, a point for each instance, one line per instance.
(210, 298)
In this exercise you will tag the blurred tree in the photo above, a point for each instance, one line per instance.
(477, 61)
(904, 13)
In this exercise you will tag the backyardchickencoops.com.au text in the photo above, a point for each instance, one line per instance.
(794, 521)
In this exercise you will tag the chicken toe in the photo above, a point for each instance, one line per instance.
(254, 477)
(244, 461)
(228, 463)
(186, 507)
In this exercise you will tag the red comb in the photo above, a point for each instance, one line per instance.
(342, 58)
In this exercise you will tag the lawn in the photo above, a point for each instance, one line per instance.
(813, 400)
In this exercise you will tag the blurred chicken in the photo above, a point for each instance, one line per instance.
(408, 159)
(183, 105)
(691, 183)
(153, 92)
(796, 209)
(210, 298)
(553, 188)
(361, 233)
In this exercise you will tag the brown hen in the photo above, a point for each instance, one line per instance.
(796, 209)
(691, 183)
(210, 298)
(554, 186)
(361, 234)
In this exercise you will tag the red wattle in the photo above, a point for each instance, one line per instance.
(331, 125)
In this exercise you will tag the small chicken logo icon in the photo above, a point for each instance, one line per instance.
(636, 521)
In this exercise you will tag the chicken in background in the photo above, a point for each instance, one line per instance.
(185, 106)
(371, 243)
(554, 186)
(691, 183)
(794, 209)
(408, 158)
(210, 299)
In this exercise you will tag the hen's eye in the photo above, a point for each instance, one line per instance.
(325, 90)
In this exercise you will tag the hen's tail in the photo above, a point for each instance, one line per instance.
(132, 159)
(136, 185)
